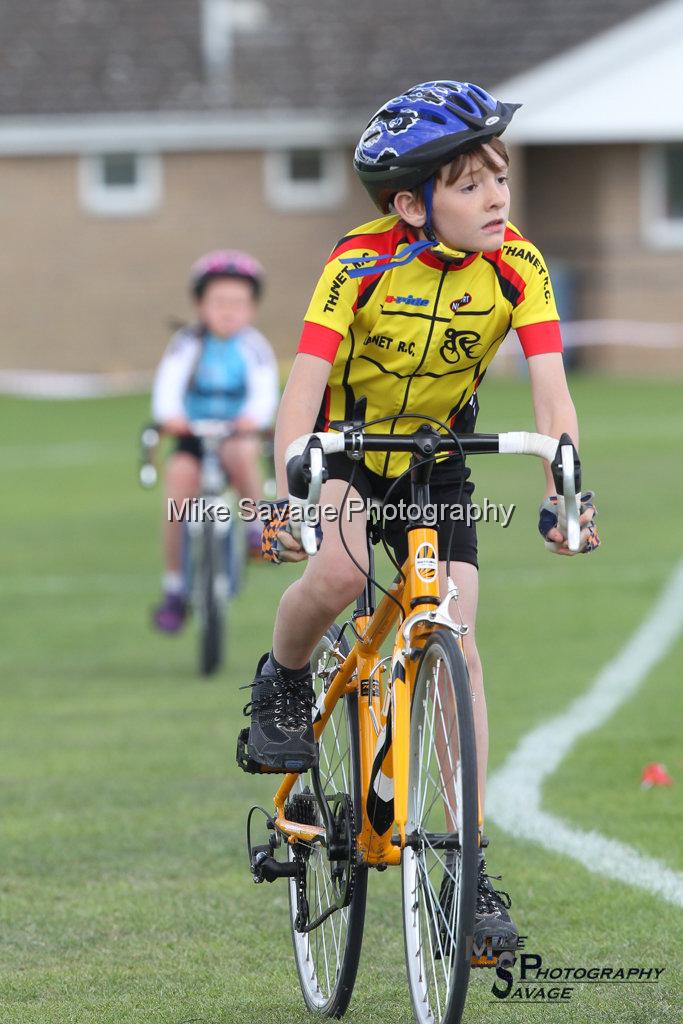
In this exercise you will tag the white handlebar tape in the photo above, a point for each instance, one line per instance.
(523, 442)
(330, 442)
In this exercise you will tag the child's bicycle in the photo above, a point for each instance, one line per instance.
(397, 775)
(214, 547)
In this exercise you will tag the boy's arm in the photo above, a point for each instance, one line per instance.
(296, 416)
(553, 406)
(555, 414)
(299, 408)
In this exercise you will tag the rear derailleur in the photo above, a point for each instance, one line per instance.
(340, 844)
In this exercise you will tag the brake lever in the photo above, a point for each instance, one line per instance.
(306, 474)
(566, 470)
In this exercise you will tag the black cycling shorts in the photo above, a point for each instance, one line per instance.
(191, 445)
(444, 486)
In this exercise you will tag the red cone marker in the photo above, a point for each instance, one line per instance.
(655, 775)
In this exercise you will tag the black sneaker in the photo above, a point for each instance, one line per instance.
(281, 732)
(492, 923)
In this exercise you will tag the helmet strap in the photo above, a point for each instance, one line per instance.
(428, 199)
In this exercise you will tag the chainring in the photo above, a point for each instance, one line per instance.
(303, 808)
(343, 856)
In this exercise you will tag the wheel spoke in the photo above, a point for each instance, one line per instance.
(430, 751)
(435, 917)
(424, 927)
(327, 956)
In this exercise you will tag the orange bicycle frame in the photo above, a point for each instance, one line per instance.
(384, 759)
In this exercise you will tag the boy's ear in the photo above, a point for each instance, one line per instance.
(410, 208)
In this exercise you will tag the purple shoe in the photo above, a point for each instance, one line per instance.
(254, 534)
(170, 616)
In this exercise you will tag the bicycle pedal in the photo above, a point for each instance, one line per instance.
(266, 868)
(484, 961)
(246, 763)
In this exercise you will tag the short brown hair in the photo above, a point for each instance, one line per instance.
(450, 172)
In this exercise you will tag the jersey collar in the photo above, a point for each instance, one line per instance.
(441, 256)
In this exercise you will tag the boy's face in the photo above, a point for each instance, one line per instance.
(227, 306)
(471, 213)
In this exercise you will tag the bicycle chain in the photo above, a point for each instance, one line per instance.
(302, 808)
(351, 840)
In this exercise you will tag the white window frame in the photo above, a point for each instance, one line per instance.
(659, 230)
(284, 193)
(120, 200)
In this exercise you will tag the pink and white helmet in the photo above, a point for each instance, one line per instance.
(226, 263)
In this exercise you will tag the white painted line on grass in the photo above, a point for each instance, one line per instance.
(513, 798)
(45, 384)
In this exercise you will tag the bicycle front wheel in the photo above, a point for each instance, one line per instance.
(439, 866)
(327, 955)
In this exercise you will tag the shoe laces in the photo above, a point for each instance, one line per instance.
(289, 700)
(489, 900)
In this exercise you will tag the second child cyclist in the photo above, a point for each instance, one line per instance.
(220, 368)
(409, 312)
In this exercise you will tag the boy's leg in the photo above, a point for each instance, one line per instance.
(281, 731)
(329, 583)
(466, 578)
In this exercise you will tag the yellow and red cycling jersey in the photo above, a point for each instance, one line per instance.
(418, 338)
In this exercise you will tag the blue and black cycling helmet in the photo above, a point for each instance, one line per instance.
(413, 135)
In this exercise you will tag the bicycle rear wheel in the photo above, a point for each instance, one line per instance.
(439, 867)
(211, 618)
(327, 956)
(235, 557)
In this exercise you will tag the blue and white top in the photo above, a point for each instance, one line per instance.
(204, 377)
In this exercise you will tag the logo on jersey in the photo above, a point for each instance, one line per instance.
(407, 300)
(464, 301)
(458, 344)
(335, 288)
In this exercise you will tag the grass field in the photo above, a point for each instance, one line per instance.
(125, 896)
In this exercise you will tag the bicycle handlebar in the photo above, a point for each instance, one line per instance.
(306, 472)
(205, 429)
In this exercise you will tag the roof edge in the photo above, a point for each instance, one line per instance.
(600, 73)
(61, 134)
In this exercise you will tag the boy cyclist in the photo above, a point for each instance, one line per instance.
(220, 368)
(412, 325)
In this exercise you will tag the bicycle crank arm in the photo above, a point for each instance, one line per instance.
(436, 841)
(265, 868)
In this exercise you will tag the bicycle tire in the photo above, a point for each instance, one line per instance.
(438, 926)
(211, 619)
(235, 558)
(327, 987)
